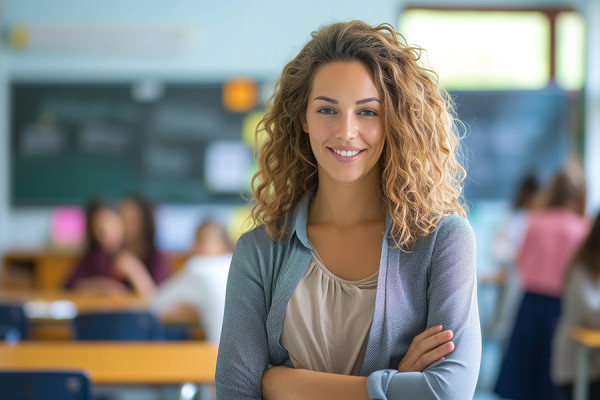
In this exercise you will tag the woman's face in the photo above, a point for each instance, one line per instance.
(132, 217)
(107, 228)
(344, 122)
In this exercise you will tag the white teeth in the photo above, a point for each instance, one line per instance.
(344, 153)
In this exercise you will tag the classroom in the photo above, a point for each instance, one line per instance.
(185, 210)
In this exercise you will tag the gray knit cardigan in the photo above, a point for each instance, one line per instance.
(433, 284)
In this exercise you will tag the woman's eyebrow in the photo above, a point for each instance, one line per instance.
(330, 100)
(333, 101)
(367, 100)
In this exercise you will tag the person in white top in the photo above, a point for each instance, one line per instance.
(202, 281)
(504, 250)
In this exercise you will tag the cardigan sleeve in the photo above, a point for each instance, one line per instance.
(452, 303)
(243, 348)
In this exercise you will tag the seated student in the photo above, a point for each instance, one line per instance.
(580, 307)
(140, 231)
(202, 281)
(106, 267)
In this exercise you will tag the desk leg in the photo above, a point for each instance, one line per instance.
(580, 388)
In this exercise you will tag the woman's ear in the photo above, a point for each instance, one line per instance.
(304, 124)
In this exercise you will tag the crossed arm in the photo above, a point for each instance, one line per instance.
(287, 383)
(248, 350)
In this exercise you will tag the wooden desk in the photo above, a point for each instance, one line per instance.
(43, 269)
(52, 321)
(586, 339)
(118, 362)
(83, 302)
(47, 269)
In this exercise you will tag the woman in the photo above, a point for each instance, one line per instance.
(359, 280)
(553, 235)
(106, 267)
(580, 307)
(140, 232)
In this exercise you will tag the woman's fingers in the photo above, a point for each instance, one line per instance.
(427, 348)
(427, 333)
(434, 356)
(431, 342)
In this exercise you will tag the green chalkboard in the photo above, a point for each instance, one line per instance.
(72, 141)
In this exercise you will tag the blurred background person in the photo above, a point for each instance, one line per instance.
(552, 237)
(505, 247)
(202, 281)
(580, 307)
(140, 232)
(106, 267)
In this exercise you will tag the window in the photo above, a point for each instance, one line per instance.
(499, 49)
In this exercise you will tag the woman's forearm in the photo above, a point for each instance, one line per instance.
(289, 384)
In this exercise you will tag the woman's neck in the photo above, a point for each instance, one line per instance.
(346, 204)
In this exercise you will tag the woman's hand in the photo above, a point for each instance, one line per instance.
(426, 349)
(128, 267)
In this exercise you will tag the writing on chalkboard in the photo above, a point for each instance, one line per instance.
(72, 141)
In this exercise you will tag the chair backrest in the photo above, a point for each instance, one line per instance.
(13, 316)
(9, 334)
(44, 385)
(128, 325)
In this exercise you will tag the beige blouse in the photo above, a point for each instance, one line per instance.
(327, 321)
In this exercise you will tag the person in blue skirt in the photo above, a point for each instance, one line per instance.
(553, 235)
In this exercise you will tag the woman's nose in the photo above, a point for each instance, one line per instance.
(348, 127)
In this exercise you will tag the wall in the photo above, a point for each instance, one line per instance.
(4, 172)
(592, 108)
(227, 38)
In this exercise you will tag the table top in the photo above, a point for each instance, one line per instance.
(51, 312)
(586, 336)
(66, 304)
(118, 362)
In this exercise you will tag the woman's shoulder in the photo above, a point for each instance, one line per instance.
(257, 236)
(451, 231)
(454, 226)
(259, 240)
(291, 224)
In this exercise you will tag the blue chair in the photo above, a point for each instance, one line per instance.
(44, 385)
(9, 334)
(13, 316)
(128, 325)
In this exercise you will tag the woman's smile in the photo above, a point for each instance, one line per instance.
(346, 154)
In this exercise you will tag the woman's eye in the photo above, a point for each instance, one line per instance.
(368, 113)
(325, 110)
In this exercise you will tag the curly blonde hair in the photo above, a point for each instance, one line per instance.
(420, 177)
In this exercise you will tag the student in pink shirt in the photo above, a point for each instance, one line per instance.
(552, 238)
